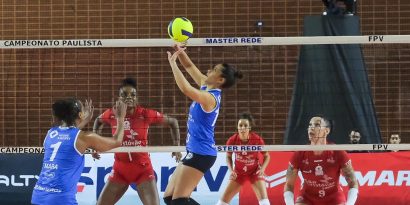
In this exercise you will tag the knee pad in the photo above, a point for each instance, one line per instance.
(264, 202)
(220, 202)
(193, 202)
(168, 200)
(180, 201)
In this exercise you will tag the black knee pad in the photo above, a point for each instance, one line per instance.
(193, 202)
(168, 200)
(180, 201)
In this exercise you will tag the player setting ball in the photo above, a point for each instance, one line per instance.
(180, 29)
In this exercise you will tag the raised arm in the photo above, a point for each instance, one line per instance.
(173, 124)
(190, 67)
(348, 173)
(87, 114)
(204, 98)
(101, 144)
(98, 125)
(291, 175)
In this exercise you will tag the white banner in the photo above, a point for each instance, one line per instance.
(96, 172)
(227, 41)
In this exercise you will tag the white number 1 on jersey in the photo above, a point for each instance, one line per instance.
(55, 149)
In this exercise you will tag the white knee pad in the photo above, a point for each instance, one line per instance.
(264, 202)
(221, 203)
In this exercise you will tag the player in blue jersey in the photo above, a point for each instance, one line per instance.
(65, 145)
(203, 113)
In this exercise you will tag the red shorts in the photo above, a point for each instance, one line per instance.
(252, 178)
(127, 173)
(333, 198)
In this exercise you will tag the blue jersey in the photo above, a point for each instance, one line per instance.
(201, 126)
(62, 168)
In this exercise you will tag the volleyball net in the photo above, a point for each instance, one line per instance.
(93, 68)
(39, 71)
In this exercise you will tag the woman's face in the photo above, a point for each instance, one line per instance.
(128, 95)
(243, 129)
(214, 76)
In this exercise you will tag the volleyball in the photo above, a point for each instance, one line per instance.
(180, 29)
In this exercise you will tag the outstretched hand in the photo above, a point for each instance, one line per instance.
(173, 57)
(86, 113)
(96, 155)
(177, 156)
(233, 175)
(179, 45)
(260, 172)
(120, 109)
(88, 110)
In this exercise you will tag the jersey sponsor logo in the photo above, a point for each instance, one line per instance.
(47, 189)
(53, 134)
(189, 156)
(331, 160)
(50, 166)
(318, 170)
(127, 125)
(63, 137)
(326, 179)
(132, 143)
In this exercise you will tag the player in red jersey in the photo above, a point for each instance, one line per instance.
(320, 171)
(134, 167)
(247, 166)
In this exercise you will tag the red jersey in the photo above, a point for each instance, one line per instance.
(246, 163)
(320, 172)
(135, 131)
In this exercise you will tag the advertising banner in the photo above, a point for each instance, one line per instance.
(384, 178)
(18, 175)
(96, 172)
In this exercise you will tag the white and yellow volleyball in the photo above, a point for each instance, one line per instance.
(180, 29)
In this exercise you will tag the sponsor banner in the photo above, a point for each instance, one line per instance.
(96, 173)
(384, 178)
(18, 175)
(21, 150)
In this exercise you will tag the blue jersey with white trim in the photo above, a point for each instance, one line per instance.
(62, 168)
(201, 126)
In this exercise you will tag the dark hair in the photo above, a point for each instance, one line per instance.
(67, 110)
(328, 123)
(230, 74)
(129, 82)
(354, 130)
(248, 117)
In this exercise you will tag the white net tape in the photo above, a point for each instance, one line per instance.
(233, 148)
(232, 41)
